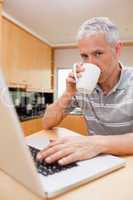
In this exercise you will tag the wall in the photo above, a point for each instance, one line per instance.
(127, 56)
(64, 58)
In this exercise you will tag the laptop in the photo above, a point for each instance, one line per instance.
(17, 157)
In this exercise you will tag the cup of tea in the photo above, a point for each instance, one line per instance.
(89, 78)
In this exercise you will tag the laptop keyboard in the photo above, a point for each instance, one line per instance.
(48, 169)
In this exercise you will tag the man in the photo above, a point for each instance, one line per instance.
(108, 111)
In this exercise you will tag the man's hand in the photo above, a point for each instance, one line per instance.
(70, 149)
(71, 82)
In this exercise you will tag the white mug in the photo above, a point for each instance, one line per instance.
(89, 78)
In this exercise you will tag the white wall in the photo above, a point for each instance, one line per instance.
(64, 58)
(127, 56)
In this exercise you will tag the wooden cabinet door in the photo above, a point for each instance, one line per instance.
(32, 126)
(25, 59)
(11, 54)
(75, 123)
(40, 69)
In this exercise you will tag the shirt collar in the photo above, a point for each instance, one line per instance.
(120, 85)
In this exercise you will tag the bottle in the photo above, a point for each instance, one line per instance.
(17, 102)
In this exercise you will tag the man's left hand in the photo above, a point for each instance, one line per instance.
(70, 149)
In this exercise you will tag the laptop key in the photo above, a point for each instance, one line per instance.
(46, 168)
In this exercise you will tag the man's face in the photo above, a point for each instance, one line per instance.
(95, 49)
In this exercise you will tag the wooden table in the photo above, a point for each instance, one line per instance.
(114, 186)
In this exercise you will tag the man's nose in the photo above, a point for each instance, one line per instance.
(91, 59)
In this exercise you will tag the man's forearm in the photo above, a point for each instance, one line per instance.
(118, 144)
(55, 112)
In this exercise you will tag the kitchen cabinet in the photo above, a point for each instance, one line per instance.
(75, 123)
(25, 59)
(32, 126)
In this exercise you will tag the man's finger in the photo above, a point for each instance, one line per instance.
(68, 159)
(58, 155)
(48, 151)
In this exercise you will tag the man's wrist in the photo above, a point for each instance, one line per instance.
(101, 143)
(64, 100)
(69, 94)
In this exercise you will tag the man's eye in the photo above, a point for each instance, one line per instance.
(98, 54)
(84, 56)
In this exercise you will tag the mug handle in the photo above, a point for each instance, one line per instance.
(74, 72)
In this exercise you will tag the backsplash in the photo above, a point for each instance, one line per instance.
(30, 104)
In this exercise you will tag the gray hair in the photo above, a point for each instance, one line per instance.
(97, 25)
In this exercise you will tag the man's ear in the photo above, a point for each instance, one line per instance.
(118, 48)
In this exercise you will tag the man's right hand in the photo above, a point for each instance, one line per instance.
(71, 82)
(55, 112)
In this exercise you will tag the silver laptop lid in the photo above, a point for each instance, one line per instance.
(15, 158)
